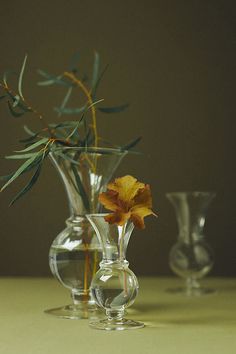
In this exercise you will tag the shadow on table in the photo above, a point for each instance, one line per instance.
(175, 314)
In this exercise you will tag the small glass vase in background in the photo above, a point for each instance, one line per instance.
(75, 253)
(191, 257)
(114, 286)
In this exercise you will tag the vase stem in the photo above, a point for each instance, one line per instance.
(115, 315)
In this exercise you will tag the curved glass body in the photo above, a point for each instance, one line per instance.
(114, 286)
(191, 257)
(75, 253)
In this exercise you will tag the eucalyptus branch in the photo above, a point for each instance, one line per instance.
(87, 93)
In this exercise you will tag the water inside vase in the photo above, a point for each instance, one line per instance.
(76, 267)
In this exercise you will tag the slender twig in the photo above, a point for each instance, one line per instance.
(79, 83)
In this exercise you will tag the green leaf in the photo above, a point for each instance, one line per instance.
(73, 62)
(132, 143)
(31, 139)
(6, 177)
(66, 157)
(13, 112)
(33, 146)
(20, 157)
(29, 185)
(6, 75)
(95, 70)
(18, 102)
(73, 131)
(116, 109)
(2, 97)
(20, 170)
(28, 131)
(78, 110)
(29, 168)
(64, 124)
(21, 77)
(51, 80)
(98, 81)
(80, 188)
(70, 110)
(65, 100)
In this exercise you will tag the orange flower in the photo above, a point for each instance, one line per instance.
(128, 199)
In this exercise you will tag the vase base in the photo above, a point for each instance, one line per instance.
(191, 291)
(118, 325)
(73, 312)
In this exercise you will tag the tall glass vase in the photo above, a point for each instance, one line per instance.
(191, 257)
(114, 287)
(75, 253)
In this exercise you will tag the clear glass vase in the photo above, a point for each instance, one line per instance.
(191, 257)
(114, 286)
(75, 253)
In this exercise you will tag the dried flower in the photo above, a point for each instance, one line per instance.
(128, 199)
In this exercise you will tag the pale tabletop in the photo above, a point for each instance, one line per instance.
(174, 324)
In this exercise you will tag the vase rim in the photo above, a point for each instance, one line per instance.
(191, 193)
(94, 149)
(97, 214)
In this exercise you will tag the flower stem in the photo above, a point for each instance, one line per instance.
(122, 239)
(86, 271)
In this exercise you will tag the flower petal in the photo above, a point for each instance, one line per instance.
(143, 197)
(138, 214)
(118, 218)
(127, 187)
(109, 200)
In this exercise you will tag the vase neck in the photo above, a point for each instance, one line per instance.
(190, 211)
(84, 175)
(114, 239)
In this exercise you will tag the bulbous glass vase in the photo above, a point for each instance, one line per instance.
(114, 286)
(75, 253)
(191, 257)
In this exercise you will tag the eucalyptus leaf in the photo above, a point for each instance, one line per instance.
(80, 187)
(18, 102)
(95, 71)
(38, 160)
(33, 146)
(51, 80)
(98, 81)
(20, 157)
(64, 124)
(29, 185)
(132, 143)
(65, 100)
(73, 131)
(28, 130)
(31, 139)
(70, 110)
(21, 77)
(66, 157)
(73, 62)
(115, 109)
(6, 75)
(13, 112)
(20, 170)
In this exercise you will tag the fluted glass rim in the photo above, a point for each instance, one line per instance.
(94, 149)
(97, 214)
(196, 193)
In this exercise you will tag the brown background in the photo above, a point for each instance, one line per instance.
(174, 61)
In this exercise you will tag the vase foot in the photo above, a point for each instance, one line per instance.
(118, 325)
(73, 312)
(191, 292)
